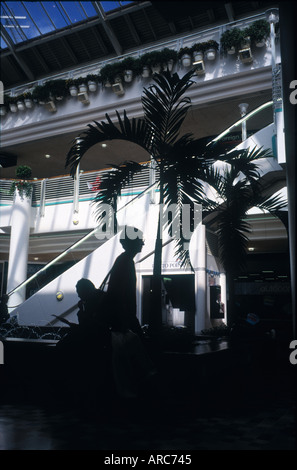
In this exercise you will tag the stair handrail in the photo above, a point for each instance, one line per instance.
(240, 121)
(77, 243)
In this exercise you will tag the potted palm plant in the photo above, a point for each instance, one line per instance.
(128, 66)
(180, 167)
(58, 88)
(169, 57)
(20, 102)
(12, 104)
(22, 185)
(72, 85)
(92, 82)
(41, 94)
(185, 55)
(145, 66)
(111, 73)
(259, 32)
(231, 40)
(245, 53)
(197, 51)
(81, 83)
(211, 48)
(28, 99)
(153, 60)
(5, 106)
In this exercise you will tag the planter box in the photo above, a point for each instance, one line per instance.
(21, 105)
(73, 90)
(211, 54)
(186, 60)
(29, 104)
(146, 71)
(198, 56)
(13, 107)
(92, 86)
(246, 55)
(50, 106)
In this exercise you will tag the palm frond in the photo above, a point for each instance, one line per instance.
(112, 183)
(271, 204)
(233, 240)
(246, 162)
(164, 106)
(134, 130)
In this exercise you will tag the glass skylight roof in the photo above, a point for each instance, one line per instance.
(22, 21)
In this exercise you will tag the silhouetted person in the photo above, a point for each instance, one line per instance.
(91, 311)
(87, 349)
(4, 315)
(92, 329)
(131, 364)
(121, 291)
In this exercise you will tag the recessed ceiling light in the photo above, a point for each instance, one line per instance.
(47, 155)
(104, 145)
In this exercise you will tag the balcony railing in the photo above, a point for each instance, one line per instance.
(62, 189)
(213, 33)
(50, 190)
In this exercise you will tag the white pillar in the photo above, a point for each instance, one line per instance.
(18, 249)
(198, 259)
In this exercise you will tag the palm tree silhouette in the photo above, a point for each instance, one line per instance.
(239, 189)
(183, 162)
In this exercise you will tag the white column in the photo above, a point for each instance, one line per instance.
(198, 259)
(18, 249)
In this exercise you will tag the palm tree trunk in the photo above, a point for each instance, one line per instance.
(231, 298)
(156, 300)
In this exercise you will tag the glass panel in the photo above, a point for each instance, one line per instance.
(109, 6)
(39, 16)
(17, 22)
(89, 9)
(55, 14)
(32, 19)
(74, 11)
(3, 44)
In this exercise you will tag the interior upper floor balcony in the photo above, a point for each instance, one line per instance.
(222, 73)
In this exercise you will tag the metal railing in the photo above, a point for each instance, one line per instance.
(46, 276)
(204, 35)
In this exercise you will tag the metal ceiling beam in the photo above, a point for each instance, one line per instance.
(128, 9)
(132, 29)
(20, 61)
(99, 40)
(69, 50)
(40, 59)
(108, 29)
(55, 57)
(230, 12)
(150, 24)
(83, 46)
(172, 27)
(211, 15)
